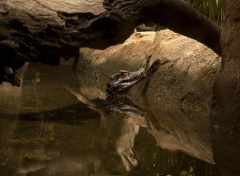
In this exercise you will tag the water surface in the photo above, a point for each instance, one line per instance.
(46, 131)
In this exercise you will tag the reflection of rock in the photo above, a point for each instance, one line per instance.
(61, 166)
(125, 144)
(10, 96)
(10, 104)
(174, 140)
(179, 92)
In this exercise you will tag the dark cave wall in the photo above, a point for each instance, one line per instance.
(226, 102)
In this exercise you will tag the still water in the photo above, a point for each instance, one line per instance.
(48, 128)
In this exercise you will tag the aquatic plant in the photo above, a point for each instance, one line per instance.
(213, 9)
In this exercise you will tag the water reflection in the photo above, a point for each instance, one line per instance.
(91, 137)
(125, 141)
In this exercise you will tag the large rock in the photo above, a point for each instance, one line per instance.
(178, 94)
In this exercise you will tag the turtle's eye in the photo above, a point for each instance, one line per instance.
(124, 74)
